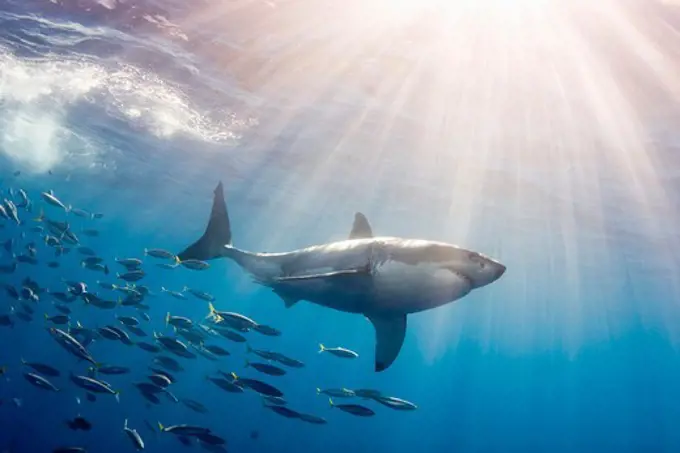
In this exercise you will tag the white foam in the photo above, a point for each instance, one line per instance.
(37, 96)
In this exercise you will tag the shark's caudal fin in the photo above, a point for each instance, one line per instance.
(361, 229)
(389, 335)
(217, 234)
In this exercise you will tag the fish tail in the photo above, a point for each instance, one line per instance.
(46, 316)
(322, 348)
(167, 319)
(160, 425)
(330, 402)
(68, 208)
(247, 364)
(146, 253)
(117, 396)
(125, 424)
(106, 269)
(318, 391)
(40, 217)
(234, 376)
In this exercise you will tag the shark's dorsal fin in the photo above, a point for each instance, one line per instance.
(217, 233)
(389, 336)
(361, 229)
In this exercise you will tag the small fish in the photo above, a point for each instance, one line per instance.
(79, 423)
(87, 251)
(287, 361)
(136, 330)
(195, 265)
(52, 200)
(40, 382)
(98, 267)
(57, 319)
(184, 430)
(267, 355)
(91, 233)
(63, 308)
(128, 320)
(168, 362)
(395, 403)
(81, 213)
(274, 400)
(160, 380)
(111, 369)
(210, 439)
(230, 335)
(160, 254)
(42, 368)
(169, 376)
(69, 450)
(52, 241)
(148, 347)
(338, 352)
(354, 409)
(175, 294)
(234, 320)
(283, 411)
(167, 266)
(230, 386)
(71, 345)
(266, 368)
(336, 393)
(312, 419)
(8, 268)
(195, 406)
(367, 393)
(132, 276)
(26, 259)
(217, 350)
(134, 436)
(199, 294)
(131, 264)
(178, 321)
(267, 330)
(53, 264)
(260, 387)
(93, 385)
(91, 260)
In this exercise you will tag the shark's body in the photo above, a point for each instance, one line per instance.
(383, 278)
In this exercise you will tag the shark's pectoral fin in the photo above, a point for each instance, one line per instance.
(361, 229)
(217, 233)
(289, 301)
(389, 334)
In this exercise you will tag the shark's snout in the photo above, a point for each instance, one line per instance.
(500, 270)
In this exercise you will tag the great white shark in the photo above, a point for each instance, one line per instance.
(383, 278)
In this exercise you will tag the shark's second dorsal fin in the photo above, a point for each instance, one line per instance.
(361, 229)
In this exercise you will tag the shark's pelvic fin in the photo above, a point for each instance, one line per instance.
(287, 300)
(389, 334)
(361, 229)
(217, 233)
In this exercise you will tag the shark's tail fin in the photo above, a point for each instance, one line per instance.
(217, 233)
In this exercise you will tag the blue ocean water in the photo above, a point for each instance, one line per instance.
(538, 133)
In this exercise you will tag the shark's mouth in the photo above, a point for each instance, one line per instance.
(463, 277)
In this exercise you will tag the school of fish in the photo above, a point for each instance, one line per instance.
(39, 230)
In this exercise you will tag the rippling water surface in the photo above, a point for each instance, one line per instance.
(541, 133)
